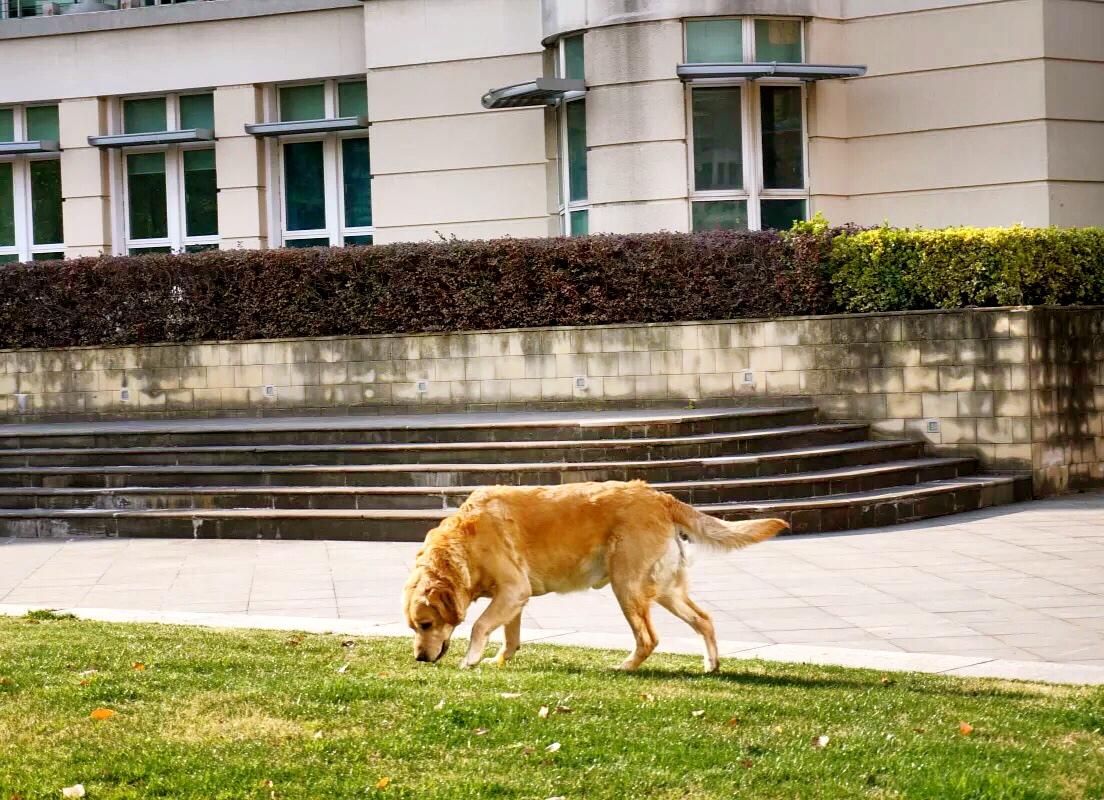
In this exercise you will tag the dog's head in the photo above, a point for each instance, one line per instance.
(434, 600)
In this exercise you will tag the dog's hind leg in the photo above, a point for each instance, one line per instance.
(675, 599)
(634, 588)
(513, 642)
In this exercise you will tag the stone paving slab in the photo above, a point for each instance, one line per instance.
(1014, 591)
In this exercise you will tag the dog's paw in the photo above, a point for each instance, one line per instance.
(468, 664)
(627, 665)
(495, 661)
(709, 667)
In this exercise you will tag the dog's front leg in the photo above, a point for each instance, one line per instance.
(505, 605)
(511, 645)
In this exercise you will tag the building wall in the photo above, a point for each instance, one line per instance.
(441, 163)
(982, 112)
(1021, 388)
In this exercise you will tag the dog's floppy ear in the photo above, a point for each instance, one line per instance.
(443, 598)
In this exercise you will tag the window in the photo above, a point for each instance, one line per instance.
(326, 178)
(574, 210)
(747, 151)
(30, 186)
(170, 192)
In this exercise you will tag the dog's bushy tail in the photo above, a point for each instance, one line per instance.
(707, 530)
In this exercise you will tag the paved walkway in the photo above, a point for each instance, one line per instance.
(1014, 591)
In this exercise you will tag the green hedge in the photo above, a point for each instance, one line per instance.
(504, 283)
(897, 269)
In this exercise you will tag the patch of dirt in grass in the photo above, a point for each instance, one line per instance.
(209, 716)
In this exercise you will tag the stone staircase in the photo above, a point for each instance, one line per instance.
(392, 478)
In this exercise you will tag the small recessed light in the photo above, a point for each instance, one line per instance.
(269, 390)
(749, 377)
(421, 386)
(581, 382)
(124, 395)
(932, 426)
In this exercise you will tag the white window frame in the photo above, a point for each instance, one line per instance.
(333, 169)
(751, 123)
(177, 238)
(567, 206)
(25, 248)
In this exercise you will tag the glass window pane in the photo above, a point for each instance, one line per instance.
(302, 102)
(141, 251)
(197, 111)
(307, 243)
(358, 240)
(42, 123)
(7, 125)
(573, 57)
(718, 139)
(48, 256)
(580, 223)
(576, 150)
(719, 215)
(144, 116)
(778, 40)
(7, 204)
(10, 258)
(352, 99)
(46, 201)
(146, 195)
(711, 41)
(199, 248)
(304, 186)
(780, 215)
(200, 193)
(783, 156)
(357, 182)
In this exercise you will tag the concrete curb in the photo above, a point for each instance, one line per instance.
(964, 665)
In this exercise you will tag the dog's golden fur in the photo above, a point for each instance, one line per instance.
(510, 543)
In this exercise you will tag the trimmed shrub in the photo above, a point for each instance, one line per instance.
(406, 288)
(895, 269)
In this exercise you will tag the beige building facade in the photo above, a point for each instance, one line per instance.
(267, 123)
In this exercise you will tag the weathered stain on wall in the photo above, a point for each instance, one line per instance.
(1021, 388)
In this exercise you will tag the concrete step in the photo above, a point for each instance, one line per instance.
(635, 449)
(837, 512)
(798, 485)
(798, 459)
(431, 428)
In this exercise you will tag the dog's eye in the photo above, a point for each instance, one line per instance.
(425, 626)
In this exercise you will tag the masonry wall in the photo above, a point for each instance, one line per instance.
(1021, 388)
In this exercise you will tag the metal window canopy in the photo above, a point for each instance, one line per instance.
(333, 125)
(539, 92)
(28, 148)
(155, 137)
(770, 69)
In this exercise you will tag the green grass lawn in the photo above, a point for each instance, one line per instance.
(274, 715)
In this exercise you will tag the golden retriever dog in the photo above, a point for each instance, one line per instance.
(511, 543)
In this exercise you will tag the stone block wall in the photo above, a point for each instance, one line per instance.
(1021, 388)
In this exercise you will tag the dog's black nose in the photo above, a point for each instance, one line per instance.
(421, 657)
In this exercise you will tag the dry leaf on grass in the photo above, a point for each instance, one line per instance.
(440, 705)
(647, 697)
(965, 728)
(732, 722)
(343, 669)
(318, 734)
(480, 731)
(348, 643)
(102, 713)
(138, 666)
(820, 741)
(5, 681)
(747, 763)
(552, 748)
(563, 709)
(557, 797)
(509, 695)
(543, 712)
(698, 712)
(887, 681)
(76, 790)
(383, 783)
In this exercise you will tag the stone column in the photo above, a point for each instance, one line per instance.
(85, 181)
(240, 162)
(636, 129)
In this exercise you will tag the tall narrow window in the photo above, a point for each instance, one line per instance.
(574, 206)
(747, 136)
(30, 185)
(326, 193)
(171, 191)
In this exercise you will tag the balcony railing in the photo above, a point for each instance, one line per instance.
(19, 9)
